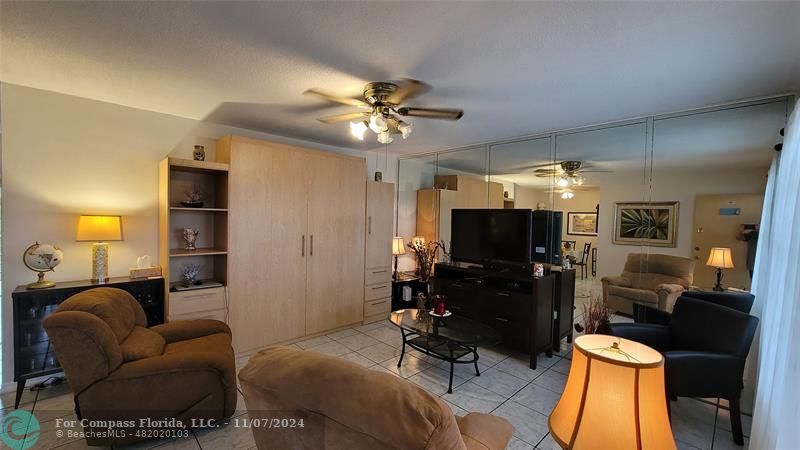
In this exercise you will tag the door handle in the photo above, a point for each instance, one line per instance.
(303, 246)
(369, 225)
(503, 294)
(500, 319)
(311, 246)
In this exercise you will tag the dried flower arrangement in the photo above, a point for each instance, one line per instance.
(596, 317)
(426, 256)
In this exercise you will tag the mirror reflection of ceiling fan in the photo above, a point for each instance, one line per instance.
(569, 173)
(381, 109)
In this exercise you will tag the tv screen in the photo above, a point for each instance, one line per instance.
(494, 237)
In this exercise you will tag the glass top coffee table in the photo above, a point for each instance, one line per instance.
(453, 339)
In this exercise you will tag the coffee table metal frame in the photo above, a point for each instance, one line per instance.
(455, 351)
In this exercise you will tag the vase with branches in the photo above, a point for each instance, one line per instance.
(425, 253)
(596, 317)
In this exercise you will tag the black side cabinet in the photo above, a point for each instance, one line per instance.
(563, 306)
(519, 306)
(33, 356)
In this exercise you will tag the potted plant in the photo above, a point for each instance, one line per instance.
(596, 317)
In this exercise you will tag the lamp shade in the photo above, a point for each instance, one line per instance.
(398, 246)
(99, 228)
(720, 257)
(614, 397)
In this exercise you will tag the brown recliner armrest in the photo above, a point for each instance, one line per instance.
(617, 281)
(181, 330)
(485, 431)
(667, 295)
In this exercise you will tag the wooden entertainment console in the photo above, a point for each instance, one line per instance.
(517, 305)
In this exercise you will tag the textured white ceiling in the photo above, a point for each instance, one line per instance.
(515, 68)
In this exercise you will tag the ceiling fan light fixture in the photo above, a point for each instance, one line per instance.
(357, 129)
(377, 123)
(566, 195)
(578, 180)
(384, 137)
(405, 129)
(562, 181)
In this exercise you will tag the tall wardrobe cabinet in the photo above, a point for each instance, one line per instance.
(298, 239)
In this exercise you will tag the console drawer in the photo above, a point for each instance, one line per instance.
(377, 291)
(380, 306)
(185, 302)
(378, 275)
(217, 314)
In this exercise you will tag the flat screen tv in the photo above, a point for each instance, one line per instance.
(497, 238)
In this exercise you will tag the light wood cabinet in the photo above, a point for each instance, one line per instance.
(434, 206)
(336, 242)
(298, 240)
(378, 261)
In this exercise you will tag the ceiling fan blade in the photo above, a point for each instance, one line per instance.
(432, 113)
(406, 89)
(331, 97)
(343, 117)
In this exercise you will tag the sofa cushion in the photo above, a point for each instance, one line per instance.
(215, 343)
(112, 306)
(281, 378)
(634, 295)
(142, 343)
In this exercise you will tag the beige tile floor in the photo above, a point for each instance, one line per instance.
(506, 387)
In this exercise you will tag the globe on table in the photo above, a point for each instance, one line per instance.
(42, 258)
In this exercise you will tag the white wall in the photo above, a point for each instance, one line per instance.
(668, 185)
(63, 156)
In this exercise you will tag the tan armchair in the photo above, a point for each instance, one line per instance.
(345, 406)
(120, 370)
(648, 279)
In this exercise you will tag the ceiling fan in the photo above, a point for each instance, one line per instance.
(381, 109)
(568, 173)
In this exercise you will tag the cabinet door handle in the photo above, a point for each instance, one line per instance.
(311, 246)
(378, 303)
(369, 225)
(375, 288)
(379, 271)
(455, 284)
(503, 294)
(455, 307)
(303, 246)
(197, 296)
(500, 319)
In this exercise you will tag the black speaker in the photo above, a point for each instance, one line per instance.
(546, 236)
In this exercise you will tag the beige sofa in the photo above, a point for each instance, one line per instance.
(648, 279)
(342, 405)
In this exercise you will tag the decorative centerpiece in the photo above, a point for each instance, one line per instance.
(426, 256)
(190, 237)
(422, 306)
(194, 198)
(190, 273)
(42, 258)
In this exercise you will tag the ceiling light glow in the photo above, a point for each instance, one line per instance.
(357, 129)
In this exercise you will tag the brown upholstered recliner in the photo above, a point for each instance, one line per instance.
(120, 370)
(648, 279)
(342, 405)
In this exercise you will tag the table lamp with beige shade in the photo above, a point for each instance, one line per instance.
(100, 230)
(614, 397)
(721, 258)
(398, 248)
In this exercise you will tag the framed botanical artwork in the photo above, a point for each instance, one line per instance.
(646, 223)
(582, 223)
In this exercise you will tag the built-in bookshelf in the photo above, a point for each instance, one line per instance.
(177, 179)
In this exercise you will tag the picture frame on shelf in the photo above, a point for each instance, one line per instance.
(582, 223)
(653, 224)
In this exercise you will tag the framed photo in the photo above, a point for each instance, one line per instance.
(582, 223)
(646, 223)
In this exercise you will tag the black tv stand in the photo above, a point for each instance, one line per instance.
(516, 304)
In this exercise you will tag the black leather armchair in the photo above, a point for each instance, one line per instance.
(740, 301)
(705, 346)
